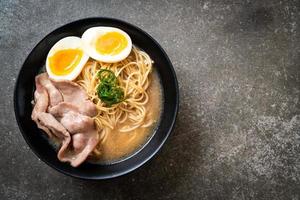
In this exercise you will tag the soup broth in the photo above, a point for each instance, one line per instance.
(119, 145)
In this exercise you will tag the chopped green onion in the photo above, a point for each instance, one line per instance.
(108, 89)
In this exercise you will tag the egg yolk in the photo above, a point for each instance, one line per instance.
(111, 43)
(63, 62)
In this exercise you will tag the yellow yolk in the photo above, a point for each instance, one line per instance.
(64, 61)
(111, 43)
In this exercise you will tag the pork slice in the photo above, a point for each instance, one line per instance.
(83, 132)
(55, 96)
(74, 94)
(40, 101)
(41, 104)
(53, 125)
(62, 108)
(57, 129)
(84, 136)
(71, 91)
(87, 108)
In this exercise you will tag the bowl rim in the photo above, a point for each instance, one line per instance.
(131, 169)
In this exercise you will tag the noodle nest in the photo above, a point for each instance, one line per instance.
(133, 78)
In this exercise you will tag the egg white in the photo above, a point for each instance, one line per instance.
(70, 42)
(90, 37)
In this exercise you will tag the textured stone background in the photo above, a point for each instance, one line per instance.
(238, 130)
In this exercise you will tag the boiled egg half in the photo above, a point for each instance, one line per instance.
(106, 44)
(66, 59)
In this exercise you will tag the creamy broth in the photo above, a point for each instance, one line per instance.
(120, 145)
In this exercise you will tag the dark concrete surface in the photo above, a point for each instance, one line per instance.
(238, 129)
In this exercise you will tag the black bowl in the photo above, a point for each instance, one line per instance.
(24, 88)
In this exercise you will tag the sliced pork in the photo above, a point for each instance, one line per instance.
(72, 93)
(82, 129)
(41, 99)
(55, 96)
(63, 111)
